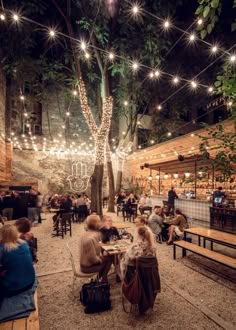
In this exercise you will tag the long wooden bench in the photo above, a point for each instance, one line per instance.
(27, 323)
(214, 236)
(212, 255)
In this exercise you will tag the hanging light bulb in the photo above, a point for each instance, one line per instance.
(87, 55)
(150, 177)
(232, 58)
(166, 176)
(193, 84)
(200, 21)
(192, 37)
(166, 24)
(2, 17)
(15, 17)
(158, 176)
(151, 75)
(111, 56)
(210, 89)
(68, 113)
(187, 174)
(159, 107)
(83, 45)
(214, 49)
(126, 103)
(169, 134)
(157, 73)
(135, 10)
(176, 80)
(135, 66)
(22, 97)
(52, 33)
(74, 92)
(176, 175)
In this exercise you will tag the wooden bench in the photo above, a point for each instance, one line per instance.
(214, 236)
(27, 323)
(201, 251)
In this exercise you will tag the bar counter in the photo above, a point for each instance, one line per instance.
(223, 219)
(195, 209)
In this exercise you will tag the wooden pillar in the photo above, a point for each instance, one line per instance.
(8, 161)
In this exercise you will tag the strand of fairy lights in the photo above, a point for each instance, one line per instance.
(137, 9)
(135, 65)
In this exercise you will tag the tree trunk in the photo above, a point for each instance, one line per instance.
(96, 188)
(111, 200)
(118, 181)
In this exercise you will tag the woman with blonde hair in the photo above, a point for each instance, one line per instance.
(143, 246)
(16, 267)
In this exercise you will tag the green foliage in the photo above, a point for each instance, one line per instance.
(224, 148)
(209, 10)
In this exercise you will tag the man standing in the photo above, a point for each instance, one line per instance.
(171, 200)
(218, 197)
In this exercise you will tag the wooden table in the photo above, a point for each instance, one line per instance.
(122, 246)
(212, 236)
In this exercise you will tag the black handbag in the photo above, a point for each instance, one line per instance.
(95, 296)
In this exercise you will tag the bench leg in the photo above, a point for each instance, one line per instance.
(174, 251)
(204, 242)
(184, 252)
(211, 245)
(199, 240)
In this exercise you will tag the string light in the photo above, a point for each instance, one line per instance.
(192, 37)
(166, 24)
(200, 21)
(52, 33)
(2, 17)
(67, 113)
(169, 134)
(135, 66)
(214, 49)
(87, 55)
(126, 103)
(176, 80)
(157, 73)
(210, 89)
(111, 56)
(159, 107)
(135, 10)
(83, 45)
(151, 75)
(176, 175)
(15, 17)
(193, 84)
(22, 98)
(232, 58)
(74, 92)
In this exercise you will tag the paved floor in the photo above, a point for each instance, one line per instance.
(194, 295)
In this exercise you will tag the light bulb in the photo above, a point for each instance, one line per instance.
(126, 103)
(194, 84)
(83, 45)
(52, 33)
(2, 17)
(169, 134)
(74, 92)
(87, 55)
(159, 107)
(166, 176)
(210, 89)
(214, 49)
(150, 178)
(157, 176)
(111, 56)
(135, 66)
(151, 75)
(22, 97)
(166, 24)
(230, 103)
(15, 17)
(67, 113)
(176, 175)
(135, 9)
(192, 37)
(175, 80)
(187, 174)
(199, 21)
(157, 73)
(232, 58)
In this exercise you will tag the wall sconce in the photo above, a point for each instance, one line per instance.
(187, 175)
(166, 176)
(176, 175)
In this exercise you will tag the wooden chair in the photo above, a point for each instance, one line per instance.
(63, 224)
(77, 273)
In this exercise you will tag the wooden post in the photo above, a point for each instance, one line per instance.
(159, 182)
(195, 181)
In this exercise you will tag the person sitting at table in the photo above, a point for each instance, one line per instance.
(128, 205)
(91, 258)
(145, 204)
(108, 231)
(17, 273)
(140, 220)
(177, 225)
(23, 226)
(143, 245)
(155, 221)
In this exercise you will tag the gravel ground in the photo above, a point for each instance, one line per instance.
(190, 291)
